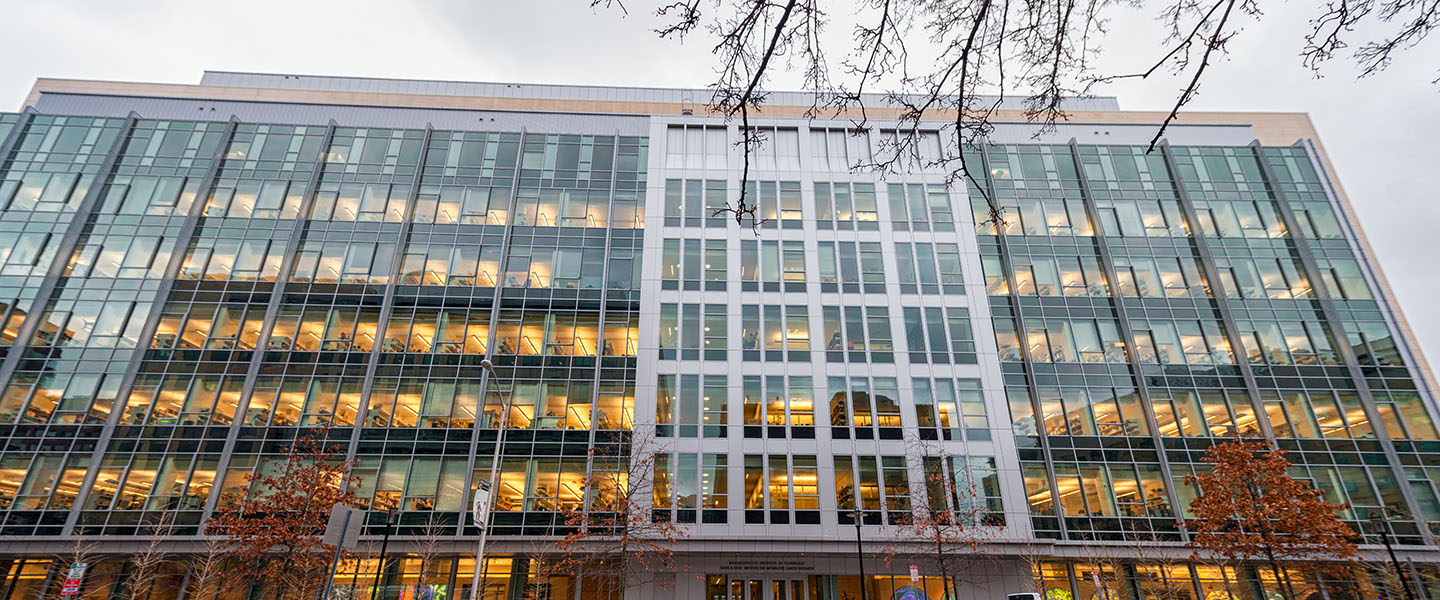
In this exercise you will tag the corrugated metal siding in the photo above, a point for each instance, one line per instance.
(350, 116)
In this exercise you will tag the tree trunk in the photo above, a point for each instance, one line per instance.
(944, 577)
(284, 586)
(1225, 576)
(1281, 578)
(253, 593)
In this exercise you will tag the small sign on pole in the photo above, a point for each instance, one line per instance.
(73, 579)
(342, 530)
(914, 574)
(480, 509)
(1095, 577)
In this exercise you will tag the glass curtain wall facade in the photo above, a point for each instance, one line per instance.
(1148, 305)
(182, 298)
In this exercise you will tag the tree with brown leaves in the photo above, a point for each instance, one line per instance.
(618, 542)
(273, 533)
(1251, 509)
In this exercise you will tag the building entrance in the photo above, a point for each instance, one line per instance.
(760, 588)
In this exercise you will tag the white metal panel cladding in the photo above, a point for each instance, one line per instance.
(565, 92)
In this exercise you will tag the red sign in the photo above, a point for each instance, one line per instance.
(72, 580)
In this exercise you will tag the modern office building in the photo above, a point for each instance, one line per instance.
(190, 274)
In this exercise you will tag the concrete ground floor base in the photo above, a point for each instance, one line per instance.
(405, 574)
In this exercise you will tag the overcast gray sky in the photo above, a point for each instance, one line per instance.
(1375, 130)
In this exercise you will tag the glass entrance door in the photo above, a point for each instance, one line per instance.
(787, 589)
(747, 589)
(767, 589)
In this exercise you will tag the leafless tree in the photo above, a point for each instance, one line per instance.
(933, 60)
(84, 549)
(950, 529)
(147, 565)
(1331, 32)
(1375, 577)
(1372, 575)
(1156, 561)
(618, 542)
(428, 549)
(1033, 554)
(207, 570)
(1104, 568)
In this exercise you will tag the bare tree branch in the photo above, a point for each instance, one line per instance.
(1376, 55)
(882, 46)
(729, 100)
(1216, 41)
(145, 565)
(617, 543)
(1045, 48)
(1175, 52)
(84, 550)
(208, 570)
(609, 3)
(1329, 31)
(687, 18)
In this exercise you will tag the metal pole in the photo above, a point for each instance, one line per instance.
(1095, 575)
(1415, 576)
(335, 562)
(384, 545)
(1380, 527)
(483, 522)
(859, 552)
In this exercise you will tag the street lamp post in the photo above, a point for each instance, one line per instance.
(859, 550)
(482, 511)
(390, 516)
(1381, 527)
